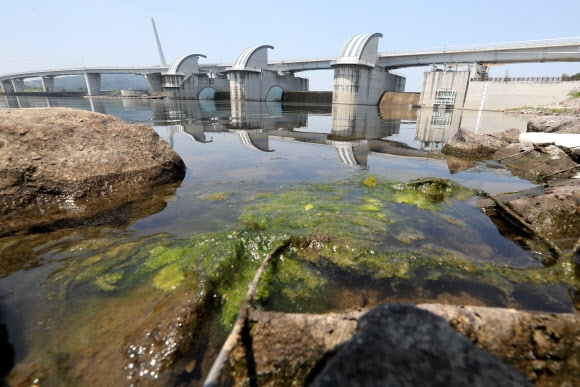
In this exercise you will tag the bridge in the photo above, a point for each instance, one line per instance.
(15, 82)
(361, 74)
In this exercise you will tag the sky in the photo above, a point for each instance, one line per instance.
(51, 34)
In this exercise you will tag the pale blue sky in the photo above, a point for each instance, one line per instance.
(47, 34)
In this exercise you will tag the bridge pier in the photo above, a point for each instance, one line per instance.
(250, 80)
(93, 81)
(183, 80)
(358, 79)
(18, 85)
(48, 84)
(154, 81)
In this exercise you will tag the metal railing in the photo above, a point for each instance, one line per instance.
(488, 46)
(519, 79)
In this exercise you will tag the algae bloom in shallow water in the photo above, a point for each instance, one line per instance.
(343, 245)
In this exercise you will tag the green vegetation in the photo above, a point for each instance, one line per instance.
(574, 93)
(361, 227)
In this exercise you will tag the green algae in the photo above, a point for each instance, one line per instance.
(217, 196)
(169, 277)
(370, 181)
(348, 226)
(108, 281)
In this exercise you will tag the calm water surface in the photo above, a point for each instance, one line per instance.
(235, 153)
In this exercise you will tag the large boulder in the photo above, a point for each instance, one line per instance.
(55, 162)
(551, 124)
(469, 145)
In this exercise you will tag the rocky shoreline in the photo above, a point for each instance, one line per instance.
(117, 172)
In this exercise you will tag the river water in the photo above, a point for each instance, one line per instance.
(340, 172)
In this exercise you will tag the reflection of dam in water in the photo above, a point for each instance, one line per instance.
(437, 126)
(354, 131)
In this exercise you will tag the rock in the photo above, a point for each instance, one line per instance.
(292, 349)
(553, 211)
(56, 162)
(285, 348)
(549, 124)
(466, 144)
(534, 162)
(402, 345)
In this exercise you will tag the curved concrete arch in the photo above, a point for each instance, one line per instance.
(256, 56)
(207, 93)
(274, 94)
(185, 64)
(361, 47)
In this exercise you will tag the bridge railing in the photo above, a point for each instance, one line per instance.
(488, 46)
(525, 79)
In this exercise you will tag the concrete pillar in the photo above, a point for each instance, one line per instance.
(358, 84)
(7, 86)
(246, 86)
(18, 85)
(93, 83)
(48, 84)
(154, 80)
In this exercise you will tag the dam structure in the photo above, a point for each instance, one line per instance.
(362, 75)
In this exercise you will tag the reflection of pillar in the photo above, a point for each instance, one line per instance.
(93, 83)
(12, 102)
(351, 153)
(48, 84)
(360, 122)
(23, 102)
(154, 80)
(51, 102)
(97, 106)
(255, 140)
(7, 86)
(18, 85)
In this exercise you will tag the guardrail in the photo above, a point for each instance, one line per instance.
(488, 46)
(526, 79)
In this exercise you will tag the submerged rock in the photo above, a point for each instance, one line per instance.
(552, 124)
(466, 144)
(55, 162)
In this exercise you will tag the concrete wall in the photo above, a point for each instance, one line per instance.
(254, 86)
(439, 80)
(492, 95)
(311, 97)
(511, 94)
(395, 98)
(181, 86)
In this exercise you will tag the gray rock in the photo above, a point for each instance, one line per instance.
(402, 345)
(550, 124)
(536, 161)
(552, 211)
(55, 163)
(468, 145)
